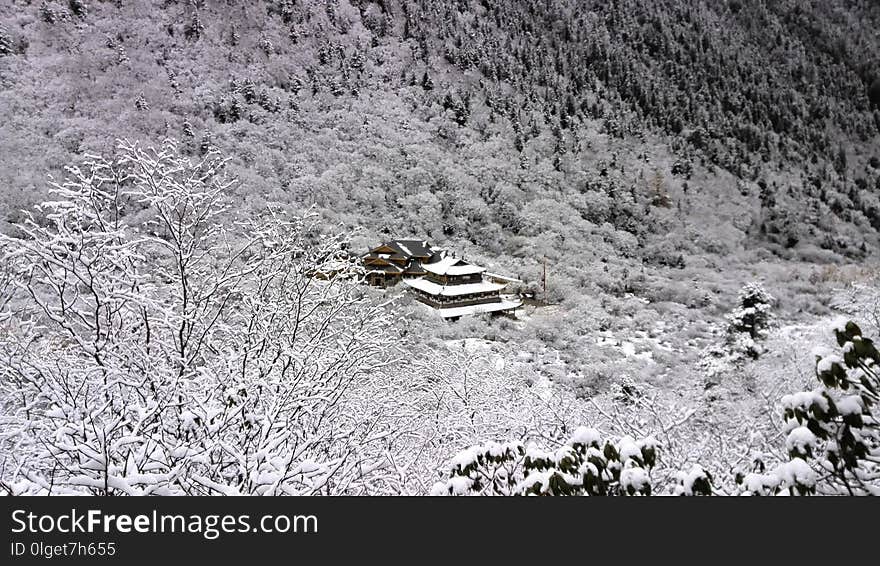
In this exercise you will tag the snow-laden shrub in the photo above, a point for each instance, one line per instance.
(625, 390)
(584, 465)
(833, 434)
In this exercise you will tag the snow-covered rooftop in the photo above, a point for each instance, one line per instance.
(390, 268)
(432, 288)
(503, 277)
(453, 266)
(479, 309)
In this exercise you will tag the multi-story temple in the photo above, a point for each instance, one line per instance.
(443, 281)
(389, 263)
(456, 288)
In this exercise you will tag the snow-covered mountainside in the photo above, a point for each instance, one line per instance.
(683, 195)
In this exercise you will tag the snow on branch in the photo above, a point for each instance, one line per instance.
(154, 341)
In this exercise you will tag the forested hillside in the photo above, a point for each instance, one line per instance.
(646, 131)
(690, 189)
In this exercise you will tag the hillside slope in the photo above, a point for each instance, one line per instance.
(645, 132)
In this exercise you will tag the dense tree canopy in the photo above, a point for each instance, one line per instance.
(324, 102)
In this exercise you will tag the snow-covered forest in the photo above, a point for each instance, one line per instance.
(187, 188)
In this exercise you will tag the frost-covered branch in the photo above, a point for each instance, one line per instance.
(161, 344)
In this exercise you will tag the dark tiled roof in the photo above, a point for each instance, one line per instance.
(414, 267)
(435, 257)
(404, 249)
(416, 248)
(385, 257)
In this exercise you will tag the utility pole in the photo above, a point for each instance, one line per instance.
(544, 280)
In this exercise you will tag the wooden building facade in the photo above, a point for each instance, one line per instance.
(456, 288)
(396, 260)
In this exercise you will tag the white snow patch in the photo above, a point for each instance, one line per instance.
(584, 435)
(801, 440)
(850, 405)
(826, 363)
(634, 477)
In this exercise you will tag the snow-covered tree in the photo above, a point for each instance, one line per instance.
(51, 13)
(157, 342)
(5, 41)
(453, 395)
(584, 465)
(195, 28)
(833, 434)
(78, 8)
(747, 326)
(752, 317)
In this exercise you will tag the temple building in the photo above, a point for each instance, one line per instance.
(439, 279)
(396, 260)
(456, 288)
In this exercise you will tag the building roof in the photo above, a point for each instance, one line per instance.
(414, 267)
(503, 277)
(389, 268)
(403, 249)
(453, 266)
(414, 248)
(479, 309)
(432, 288)
(378, 260)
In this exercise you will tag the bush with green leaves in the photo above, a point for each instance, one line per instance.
(583, 465)
(832, 443)
(833, 440)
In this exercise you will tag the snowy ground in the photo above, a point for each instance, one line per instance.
(726, 418)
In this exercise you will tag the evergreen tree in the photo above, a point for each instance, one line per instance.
(141, 102)
(194, 29)
(753, 315)
(659, 194)
(427, 83)
(78, 7)
(5, 42)
(50, 14)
